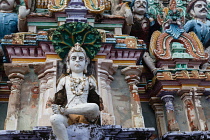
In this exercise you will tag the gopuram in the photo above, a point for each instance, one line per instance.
(104, 69)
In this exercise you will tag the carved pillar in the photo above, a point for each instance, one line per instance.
(194, 110)
(132, 77)
(157, 106)
(15, 73)
(172, 123)
(105, 71)
(47, 76)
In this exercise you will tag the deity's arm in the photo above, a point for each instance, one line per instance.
(92, 83)
(189, 26)
(23, 12)
(61, 84)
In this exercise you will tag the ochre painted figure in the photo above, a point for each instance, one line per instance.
(76, 86)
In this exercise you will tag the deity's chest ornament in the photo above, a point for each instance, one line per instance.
(77, 85)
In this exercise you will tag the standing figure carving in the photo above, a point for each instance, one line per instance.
(10, 21)
(141, 25)
(122, 9)
(142, 28)
(200, 24)
(76, 88)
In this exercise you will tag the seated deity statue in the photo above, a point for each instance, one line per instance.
(75, 87)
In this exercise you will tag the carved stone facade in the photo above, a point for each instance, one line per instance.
(16, 74)
(132, 74)
(105, 70)
(47, 84)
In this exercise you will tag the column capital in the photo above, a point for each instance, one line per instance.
(168, 102)
(107, 65)
(16, 70)
(132, 70)
(167, 98)
(41, 69)
(132, 74)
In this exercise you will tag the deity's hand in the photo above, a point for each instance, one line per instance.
(58, 109)
(23, 12)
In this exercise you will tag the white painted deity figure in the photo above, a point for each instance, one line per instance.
(10, 21)
(76, 86)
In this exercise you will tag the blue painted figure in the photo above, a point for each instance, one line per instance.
(11, 22)
(200, 24)
(8, 24)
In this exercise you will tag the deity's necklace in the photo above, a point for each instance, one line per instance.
(77, 85)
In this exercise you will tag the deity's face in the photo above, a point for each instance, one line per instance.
(7, 5)
(200, 9)
(140, 7)
(77, 62)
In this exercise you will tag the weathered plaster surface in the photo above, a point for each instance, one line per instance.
(121, 100)
(3, 112)
(205, 104)
(29, 102)
(180, 114)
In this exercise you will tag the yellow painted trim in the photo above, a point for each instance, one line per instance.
(189, 85)
(52, 56)
(171, 86)
(130, 62)
(27, 60)
(4, 99)
(99, 57)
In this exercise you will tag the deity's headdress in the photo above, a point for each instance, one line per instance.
(76, 34)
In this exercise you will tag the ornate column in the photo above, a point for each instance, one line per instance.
(132, 74)
(47, 76)
(193, 109)
(15, 73)
(172, 123)
(106, 69)
(157, 106)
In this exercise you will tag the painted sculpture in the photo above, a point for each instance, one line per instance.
(142, 28)
(200, 24)
(121, 9)
(76, 100)
(163, 45)
(76, 86)
(10, 21)
(93, 6)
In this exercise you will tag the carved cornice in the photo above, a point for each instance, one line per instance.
(119, 56)
(183, 74)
